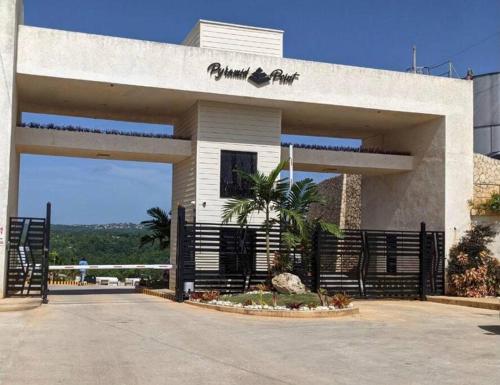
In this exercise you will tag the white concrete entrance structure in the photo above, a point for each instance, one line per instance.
(69, 73)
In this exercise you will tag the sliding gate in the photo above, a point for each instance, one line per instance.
(361, 263)
(382, 263)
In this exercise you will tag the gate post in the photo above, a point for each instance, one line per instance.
(45, 263)
(179, 273)
(421, 265)
(317, 260)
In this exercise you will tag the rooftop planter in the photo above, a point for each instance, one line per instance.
(71, 128)
(363, 150)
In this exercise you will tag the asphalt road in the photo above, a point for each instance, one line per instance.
(84, 336)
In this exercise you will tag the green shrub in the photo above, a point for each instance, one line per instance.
(471, 268)
(492, 204)
(341, 300)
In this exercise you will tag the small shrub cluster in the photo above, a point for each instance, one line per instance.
(472, 268)
(492, 204)
(282, 263)
(339, 300)
(205, 296)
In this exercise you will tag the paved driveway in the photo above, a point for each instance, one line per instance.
(127, 338)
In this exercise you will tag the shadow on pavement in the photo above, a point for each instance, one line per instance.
(491, 329)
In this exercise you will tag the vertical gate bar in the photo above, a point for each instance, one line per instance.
(366, 245)
(45, 262)
(422, 255)
(9, 257)
(179, 284)
(361, 263)
(317, 260)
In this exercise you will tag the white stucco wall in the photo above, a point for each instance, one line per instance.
(10, 11)
(324, 92)
(438, 189)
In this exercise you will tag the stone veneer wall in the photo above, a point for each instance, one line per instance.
(486, 177)
(487, 182)
(343, 201)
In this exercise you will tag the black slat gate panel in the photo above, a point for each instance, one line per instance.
(26, 256)
(362, 263)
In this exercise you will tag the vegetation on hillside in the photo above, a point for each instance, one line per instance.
(105, 246)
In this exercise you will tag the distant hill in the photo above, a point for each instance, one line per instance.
(107, 226)
(114, 243)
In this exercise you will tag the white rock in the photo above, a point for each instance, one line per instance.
(288, 284)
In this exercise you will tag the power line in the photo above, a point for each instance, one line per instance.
(473, 45)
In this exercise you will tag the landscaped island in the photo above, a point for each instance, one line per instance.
(261, 302)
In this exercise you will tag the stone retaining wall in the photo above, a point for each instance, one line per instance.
(343, 201)
(486, 182)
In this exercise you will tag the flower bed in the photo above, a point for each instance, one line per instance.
(276, 311)
(308, 305)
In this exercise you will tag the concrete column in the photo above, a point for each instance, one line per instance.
(10, 16)
(438, 188)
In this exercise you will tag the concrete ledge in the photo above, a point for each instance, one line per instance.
(162, 293)
(482, 303)
(278, 313)
(100, 146)
(17, 304)
(306, 159)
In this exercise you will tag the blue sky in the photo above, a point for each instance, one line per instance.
(367, 33)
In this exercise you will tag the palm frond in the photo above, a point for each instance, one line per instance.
(239, 208)
(330, 228)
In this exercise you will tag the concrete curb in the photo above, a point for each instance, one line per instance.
(143, 290)
(19, 304)
(278, 313)
(469, 302)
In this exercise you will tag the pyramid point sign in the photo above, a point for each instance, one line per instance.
(257, 77)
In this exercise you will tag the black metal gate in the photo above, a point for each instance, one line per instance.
(28, 247)
(376, 263)
(361, 263)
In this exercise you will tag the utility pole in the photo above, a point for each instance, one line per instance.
(414, 63)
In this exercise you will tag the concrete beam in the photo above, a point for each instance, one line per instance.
(100, 146)
(62, 72)
(305, 159)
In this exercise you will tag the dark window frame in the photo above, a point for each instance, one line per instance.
(231, 184)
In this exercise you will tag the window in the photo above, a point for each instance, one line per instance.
(392, 253)
(232, 185)
(237, 250)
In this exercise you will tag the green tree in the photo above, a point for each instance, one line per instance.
(291, 205)
(268, 192)
(298, 226)
(158, 227)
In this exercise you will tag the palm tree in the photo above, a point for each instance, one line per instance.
(271, 194)
(294, 209)
(268, 192)
(159, 228)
